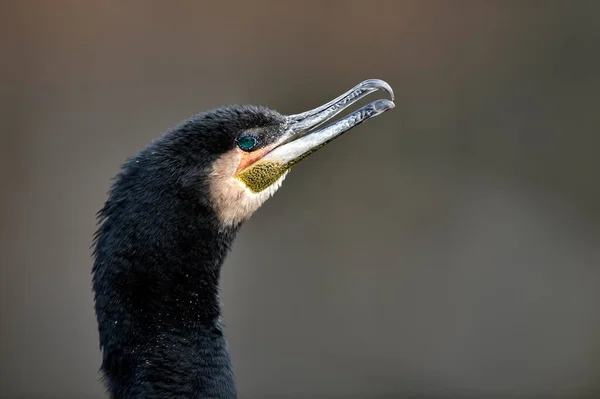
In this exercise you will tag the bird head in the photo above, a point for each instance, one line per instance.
(241, 154)
(261, 146)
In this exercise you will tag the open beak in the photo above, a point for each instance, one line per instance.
(304, 135)
(301, 139)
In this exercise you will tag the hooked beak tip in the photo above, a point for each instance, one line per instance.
(378, 84)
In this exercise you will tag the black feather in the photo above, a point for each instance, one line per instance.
(158, 254)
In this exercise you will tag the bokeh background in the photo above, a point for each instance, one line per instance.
(449, 248)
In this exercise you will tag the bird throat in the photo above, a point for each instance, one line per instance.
(262, 175)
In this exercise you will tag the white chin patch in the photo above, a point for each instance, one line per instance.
(233, 201)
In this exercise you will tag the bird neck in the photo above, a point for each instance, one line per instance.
(156, 281)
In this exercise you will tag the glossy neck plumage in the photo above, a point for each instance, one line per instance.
(157, 264)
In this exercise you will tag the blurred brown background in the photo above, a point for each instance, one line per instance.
(448, 248)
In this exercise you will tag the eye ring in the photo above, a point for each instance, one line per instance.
(247, 142)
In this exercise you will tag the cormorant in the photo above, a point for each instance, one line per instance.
(169, 221)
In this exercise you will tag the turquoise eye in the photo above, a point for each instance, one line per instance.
(247, 142)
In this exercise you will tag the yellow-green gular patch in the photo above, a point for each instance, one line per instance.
(262, 175)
